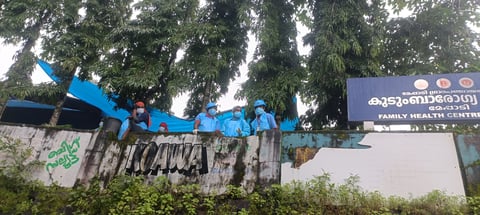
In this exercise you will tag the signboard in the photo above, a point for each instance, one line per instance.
(423, 98)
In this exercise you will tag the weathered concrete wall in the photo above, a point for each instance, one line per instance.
(400, 164)
(469, 151)
(209, 161)
(61, 150)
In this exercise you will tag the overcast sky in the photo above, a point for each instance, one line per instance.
(226, 102)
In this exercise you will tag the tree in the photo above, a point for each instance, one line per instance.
(69, 38)
(141, 63)
(74, 41)
(20, 23)
(436, 38)
(215, 52)
(275, 74)
(346, 40)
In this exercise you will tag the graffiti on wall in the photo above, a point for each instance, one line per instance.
(65, 155)
(184, 158)
(168, 157)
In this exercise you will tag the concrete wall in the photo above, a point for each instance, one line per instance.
(403, 164)
(212, 162)
(61, 150)
(400, 164)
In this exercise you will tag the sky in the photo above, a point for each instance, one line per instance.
(226, 102)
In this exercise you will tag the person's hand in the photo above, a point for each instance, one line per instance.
(195, 131)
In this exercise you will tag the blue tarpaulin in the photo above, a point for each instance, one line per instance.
(94, 95)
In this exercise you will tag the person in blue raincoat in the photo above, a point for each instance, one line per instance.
(236, 126)
(207, 122)
(263, 120)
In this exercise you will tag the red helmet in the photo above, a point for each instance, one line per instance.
(140, 104)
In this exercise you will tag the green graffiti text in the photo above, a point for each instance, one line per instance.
(65, 155)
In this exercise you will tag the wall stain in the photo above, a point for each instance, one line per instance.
(303, 155)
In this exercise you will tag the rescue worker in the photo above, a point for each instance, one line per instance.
(207, 122)
(236, 126)
(139, 120)
(263, 120)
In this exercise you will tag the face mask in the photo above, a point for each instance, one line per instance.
(259, 111)
(212, 112)
(237, 114)
(140, 110)
(162, 129)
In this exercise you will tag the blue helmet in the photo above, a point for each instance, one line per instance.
(210, 105)
(259, 103)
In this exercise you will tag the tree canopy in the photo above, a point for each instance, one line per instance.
(155, 50)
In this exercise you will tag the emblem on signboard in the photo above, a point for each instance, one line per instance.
(421, 84)
(466, 82)
(444, 83)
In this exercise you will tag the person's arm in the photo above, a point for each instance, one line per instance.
(245, 128)
(133, 115)
(217, 128)
(196, 124)
(271, 122)
(224, 126)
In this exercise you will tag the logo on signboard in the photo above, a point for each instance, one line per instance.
(466, 82)
(420, 84)
(444, 83)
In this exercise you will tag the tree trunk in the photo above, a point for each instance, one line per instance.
(3, 105)
(206, 95)
(59, 106)
(56, 113)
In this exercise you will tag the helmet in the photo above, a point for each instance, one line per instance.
(140, 104)
(210, 105)
(259, 103)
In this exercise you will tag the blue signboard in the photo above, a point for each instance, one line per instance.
(423, 98)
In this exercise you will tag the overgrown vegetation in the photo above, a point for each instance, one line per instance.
(133, 195)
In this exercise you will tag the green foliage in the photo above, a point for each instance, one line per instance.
(346, 42)
(474, 204)
(275, 73)
(140, 63)
(20, 195)
(436, 39)
(214, 52)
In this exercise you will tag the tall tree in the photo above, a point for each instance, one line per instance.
(215, 52)
(275, 73)
(436, 38)
(74, 41)
(72, 36)
(20, 24)
(141, 63)
(346, 40)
